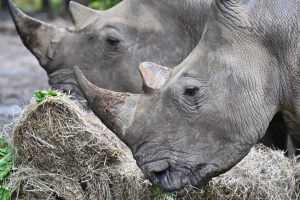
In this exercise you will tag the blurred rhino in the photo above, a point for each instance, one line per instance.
(108, 45)
(204, 116)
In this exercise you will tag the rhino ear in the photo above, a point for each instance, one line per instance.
(154, 76)
(40, 38)
(82, 15)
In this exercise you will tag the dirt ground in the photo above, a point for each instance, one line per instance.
(20, 73)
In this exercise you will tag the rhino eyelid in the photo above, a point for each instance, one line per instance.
(111, 27)
(111, 33)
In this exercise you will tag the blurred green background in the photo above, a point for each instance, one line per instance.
(57, 5)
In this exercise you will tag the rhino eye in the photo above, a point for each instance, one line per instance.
(191, 91)
(112, 41)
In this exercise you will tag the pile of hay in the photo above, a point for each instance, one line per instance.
(262, 174)
(64, 152)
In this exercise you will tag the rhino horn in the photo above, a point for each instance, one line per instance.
(115, 109)
(154, 76)
(82, 15)
(39, 37)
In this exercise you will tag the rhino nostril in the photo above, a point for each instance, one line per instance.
(159, 176)
(157, 171)
(161, 173)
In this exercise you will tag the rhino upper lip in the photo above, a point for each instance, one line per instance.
(184, 189)
(168, 185)
(180, 191)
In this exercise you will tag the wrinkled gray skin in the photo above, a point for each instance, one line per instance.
(218, 102)
(109, 45)
(161, 31)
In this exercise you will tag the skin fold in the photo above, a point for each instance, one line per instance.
(204, 118)
(108, 45)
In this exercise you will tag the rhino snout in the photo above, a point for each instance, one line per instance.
(164, 175)
(157, 170)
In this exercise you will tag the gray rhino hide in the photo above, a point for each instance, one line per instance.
(215, 105)
(109, 45)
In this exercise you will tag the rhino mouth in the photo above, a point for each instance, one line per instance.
(170, 180)
(173, 178)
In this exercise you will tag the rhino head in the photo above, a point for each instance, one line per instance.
(108, 45)
(203, 117)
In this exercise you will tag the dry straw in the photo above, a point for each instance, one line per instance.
(64, 152)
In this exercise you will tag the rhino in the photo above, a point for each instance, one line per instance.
(108, 45)
(202, 117)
